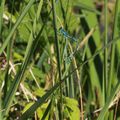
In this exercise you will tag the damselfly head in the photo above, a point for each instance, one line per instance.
(64, 33)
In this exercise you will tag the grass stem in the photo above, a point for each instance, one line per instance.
(58, 55)
(105, 82)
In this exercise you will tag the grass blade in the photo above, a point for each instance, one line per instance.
(105, 67)
(58, 55)
(2, 3)
(16, 25)
(37, 104)
(109, 100)
(15, 84)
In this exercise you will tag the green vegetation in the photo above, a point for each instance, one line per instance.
(59, 59)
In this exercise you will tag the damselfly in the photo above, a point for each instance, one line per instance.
(66, 35)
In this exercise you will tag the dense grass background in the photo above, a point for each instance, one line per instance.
(59, 59)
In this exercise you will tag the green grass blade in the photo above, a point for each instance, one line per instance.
(16, 25)
(29, 52)
(15, 84)
(2, 3)
(114, 35)
(101, 50)
(46, 111)
(87, 8)
(117, 29)
(37, 104)
(8, 56)
(105, 65)
(58, 54)
(109, 100)
(95, 71)
(92, 57)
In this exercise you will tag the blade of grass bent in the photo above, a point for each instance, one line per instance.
(109, 100)
(14, 86)
(37, 104)
(92, 57)
(29, 52)
(34, 107)
(16, 25)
